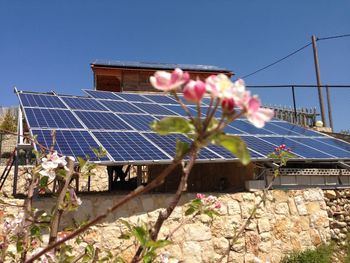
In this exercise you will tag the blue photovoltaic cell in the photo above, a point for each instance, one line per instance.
(279, 130)
(70, 143)
(248, 128)
(300, 149)
(139, 122)
(323, 147)
(162, 99)
(102, 120)
(83, 104)
(168, 144)
(51, 118)
(176, 108)
(297, 129)
(218, 112)
(40, 100)
(335, 142)
(258, 145)
(228, 155)
(121, 106)
(132, 97)
(102, 95)
(129, 146)
(206, 100)
(230, 130)
(154, 109)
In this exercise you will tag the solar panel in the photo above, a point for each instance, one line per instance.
(120, 121)
(345, 146)
(154, 109)
(131, 97)
(40, 100)
(83, 104)
(102, 95)
(129, 146)
(168, 144)
(139, 122)
(329, 149)
(121, 106)
(162, 99)
(297, 129)
(248, 127)
(70, 143)
(102, 120)
(270, 126)
(51, 118)
(298, 148)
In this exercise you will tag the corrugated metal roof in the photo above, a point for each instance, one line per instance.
(153, 65)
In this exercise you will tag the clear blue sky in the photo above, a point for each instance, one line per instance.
(48, 45)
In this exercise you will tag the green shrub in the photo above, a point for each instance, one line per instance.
(321, 254)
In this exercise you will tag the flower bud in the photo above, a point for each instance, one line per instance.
(194, 90)
(228, 104)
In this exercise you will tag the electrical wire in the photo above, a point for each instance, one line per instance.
(277, 61)
(333, 37)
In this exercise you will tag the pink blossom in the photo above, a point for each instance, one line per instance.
(217, 205)
(219, 86)
(200, 196)
(194, 90)
(166, 81)
(257, 115)
(228, 104)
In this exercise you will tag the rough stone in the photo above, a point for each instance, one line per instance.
(197, 232)
(282, 209)
(264, 225)
(300, 204)
(331, 194)
(313, 195)
(233, 207)
(192, 252)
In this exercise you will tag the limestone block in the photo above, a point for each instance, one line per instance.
(266, 236)
(315, 237)
(233, 207)
(247, 209)
(264, 225)
(313, 207)
(252, 241)
(265, 247)
(220, 245)
(319, 219)
(331, 194)
(197, 232)
(207, 251)
(251, 225)
(313, 195)
(292, 207)
(300, 204)
(281, 229)
(282, 209)
(239, 245)
(248, 196)
(235, 257)
(280, 196)
(191, 252)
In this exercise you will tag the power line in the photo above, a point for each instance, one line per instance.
(333, 37)
(277, 61)
(293, 53)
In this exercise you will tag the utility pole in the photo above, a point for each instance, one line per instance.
(318, 78)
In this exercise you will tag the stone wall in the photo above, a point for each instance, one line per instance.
(289, 220)
(338, 208)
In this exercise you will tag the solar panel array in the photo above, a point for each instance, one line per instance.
(119, 122)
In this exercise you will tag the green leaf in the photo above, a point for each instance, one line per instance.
(189, 211)
(235, 145)
(124, 236)
(172, 125)
(181, 148)
(43, 181)
(141, 234)
(158, 243)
